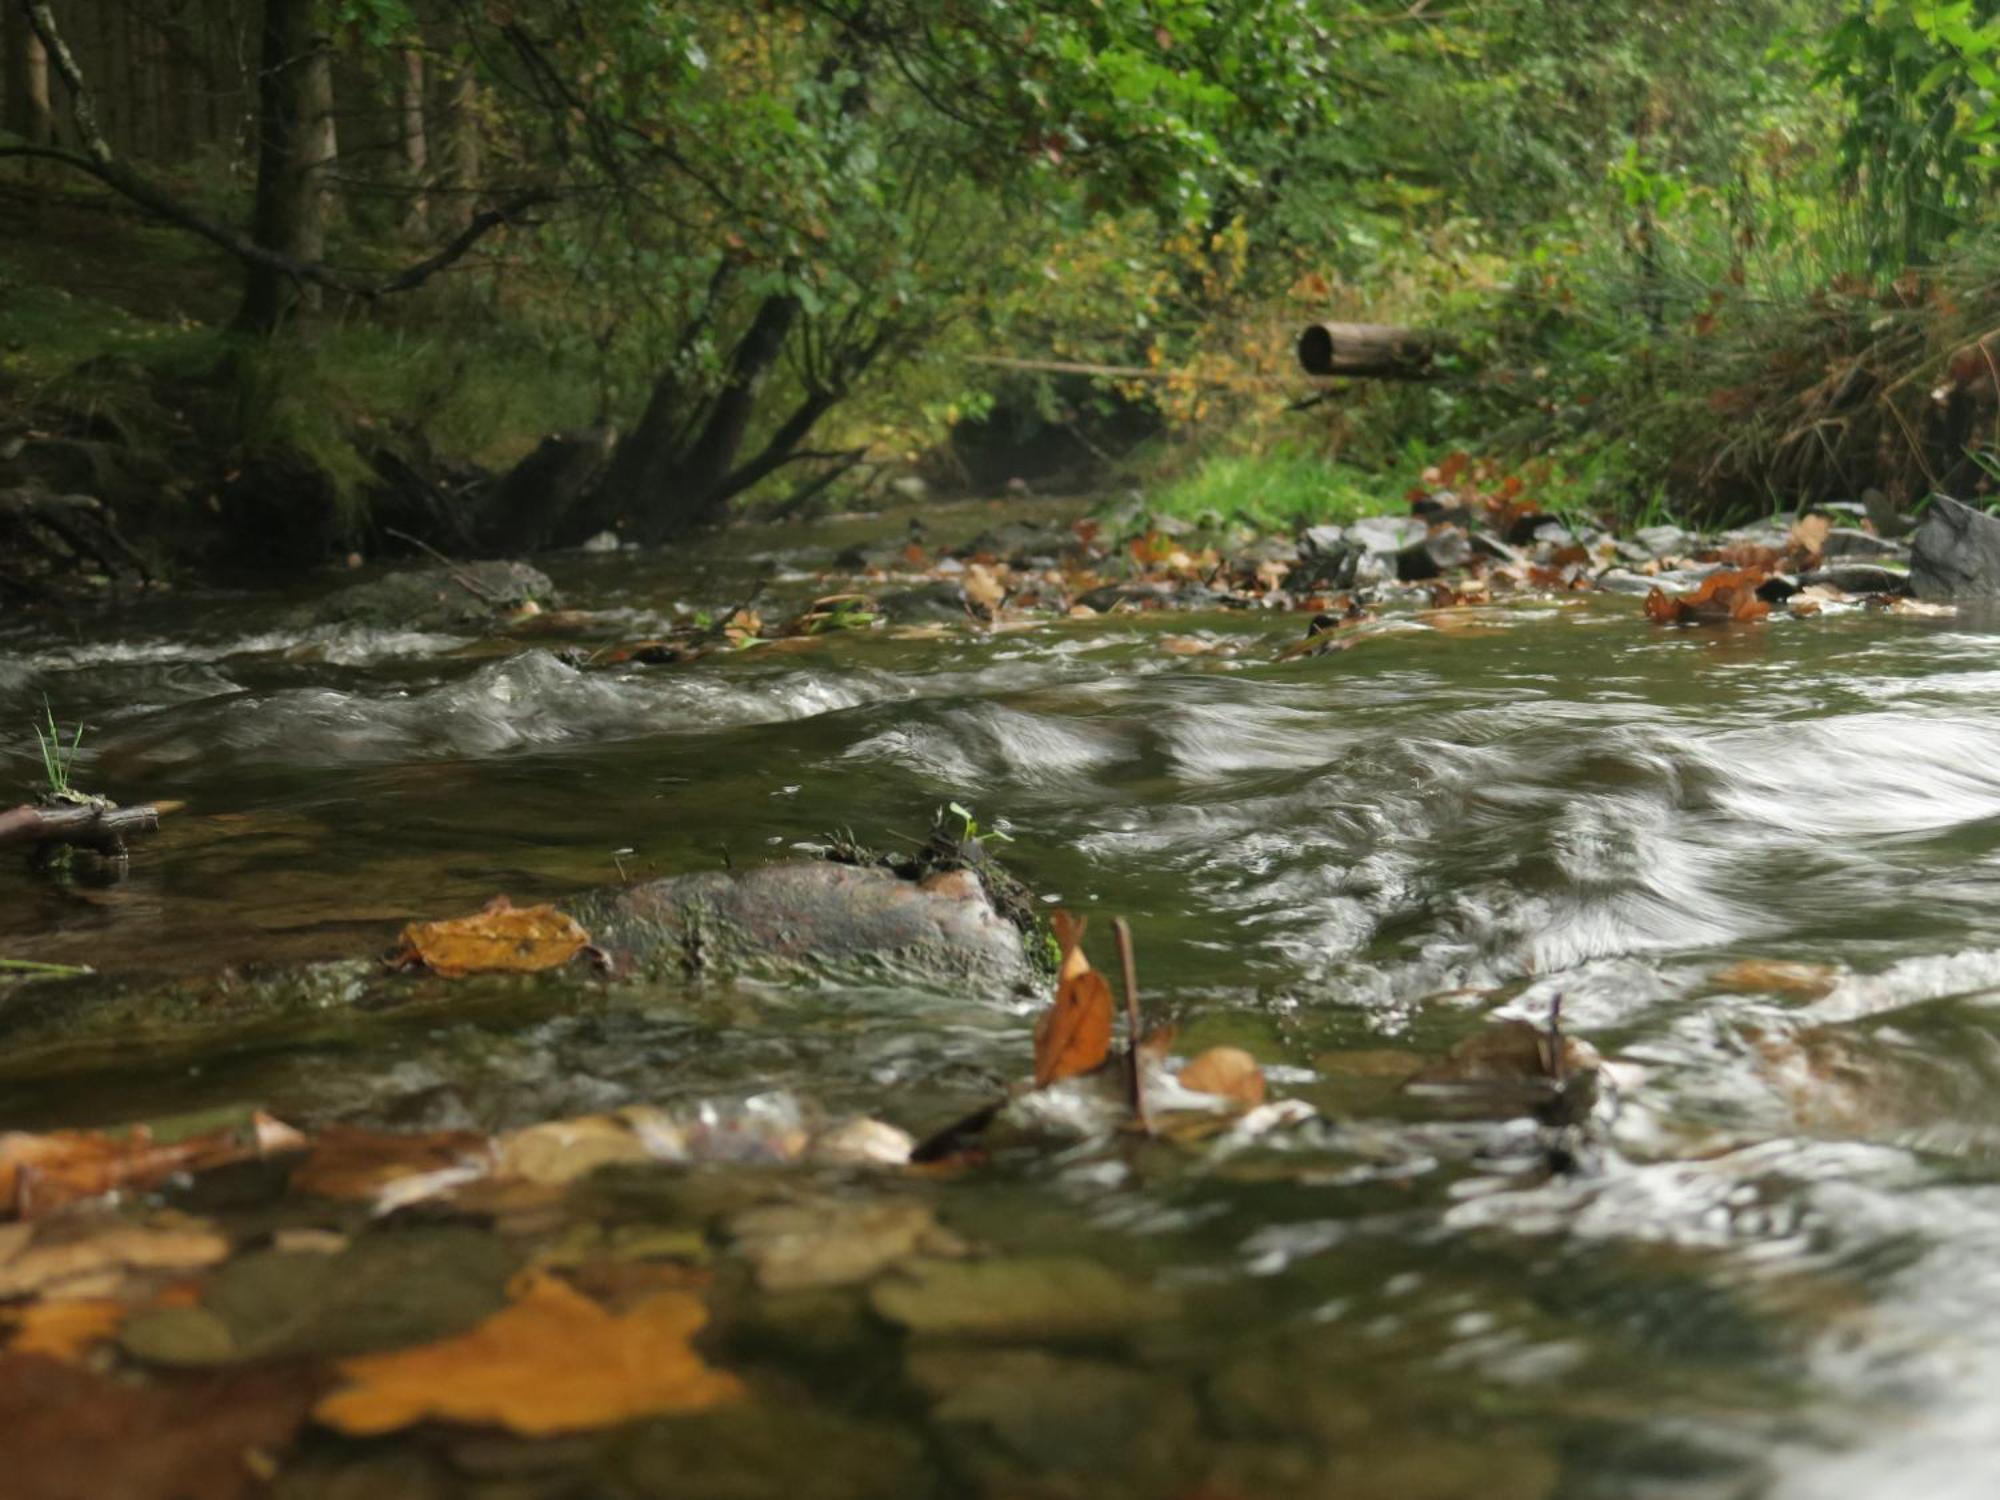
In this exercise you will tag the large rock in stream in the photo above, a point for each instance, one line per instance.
(807, 922)
(1955, 553)
(471, 595)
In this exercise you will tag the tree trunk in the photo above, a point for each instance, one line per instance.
(294, 121)
(413, 143)
(662, 481)
(459, 168)
(28, 114)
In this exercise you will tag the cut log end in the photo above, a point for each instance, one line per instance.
(1374, 351)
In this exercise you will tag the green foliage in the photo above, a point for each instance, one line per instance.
(58, 759)
(1279, 491)
(1923, 117)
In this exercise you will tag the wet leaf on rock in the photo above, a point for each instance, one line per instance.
(553, 1361)
(63, 1330)
(39, 1173)
(1728, 594)
(499, 938)
(362, 1165)
(70, 1434)
(94, 1258)
(1228, 1071)
(1074, 1034)
(1771, 976)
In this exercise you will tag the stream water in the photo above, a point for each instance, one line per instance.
(1776, 1274)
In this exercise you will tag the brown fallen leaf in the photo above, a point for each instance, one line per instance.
(1074, 1034)
(39, 1173)
(554, 1361)
(499, 938)
(348, 1162)
(71, 1434)
(1771, 976)
(1228, 1071)
(64, 1330)
(90, 1259)
(1723, 595)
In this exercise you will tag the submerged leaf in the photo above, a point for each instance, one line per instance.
(500, 938)
(1073, 1035)
(553, 1361)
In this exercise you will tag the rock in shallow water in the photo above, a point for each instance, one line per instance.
(1955, 553)
(809, 919)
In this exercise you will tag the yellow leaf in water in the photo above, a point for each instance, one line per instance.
(554, 1361)
(501, 938)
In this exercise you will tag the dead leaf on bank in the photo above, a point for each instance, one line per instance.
(40, 1173)
(1771, 976)
(1228, 1071)
(1073, 1035)
(1722, 596)
(1807, 540)
(554, 1361)
(983, 587)
(71, 1434)
(500, 938)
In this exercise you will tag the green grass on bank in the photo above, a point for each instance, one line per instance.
(1278, 492)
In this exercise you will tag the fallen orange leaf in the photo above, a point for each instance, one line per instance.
(1228, 1071)
(1724, 595)
(1073, 1035)
(354, 1163)
(501, 938)
(63, 1330)
(39, 1173)
(554, 1361)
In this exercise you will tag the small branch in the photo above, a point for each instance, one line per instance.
(1134, 1081)
(82, 827)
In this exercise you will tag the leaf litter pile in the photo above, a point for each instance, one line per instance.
(1474, 539)
(208, 1307)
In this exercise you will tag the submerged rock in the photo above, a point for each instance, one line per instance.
(1955, 553)
(442, 598)
(794, 920)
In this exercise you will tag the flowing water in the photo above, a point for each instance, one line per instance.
(1776, 1272)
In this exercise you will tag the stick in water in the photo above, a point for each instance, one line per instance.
(1134, 1083)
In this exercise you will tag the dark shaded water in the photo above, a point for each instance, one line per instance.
(1780, 1276)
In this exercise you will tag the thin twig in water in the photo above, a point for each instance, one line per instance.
(459, 576)
(1134, 1082)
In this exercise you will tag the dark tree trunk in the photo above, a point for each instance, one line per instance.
(664, 479)
(293, 121)
(28, 113)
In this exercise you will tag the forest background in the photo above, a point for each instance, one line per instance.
(282, 280)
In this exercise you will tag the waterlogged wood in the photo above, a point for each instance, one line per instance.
(81, 825)
(1073, 1035)
(552, 1362)
(1375, 351)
